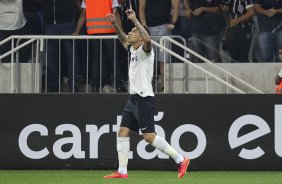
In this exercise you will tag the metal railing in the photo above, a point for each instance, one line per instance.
(41, 45)
(14, 74)
(227, 73)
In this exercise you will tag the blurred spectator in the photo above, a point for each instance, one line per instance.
(33, 14)
(240, 32)
(278, 79)
(12, 22)
(81, 48)
(155, 15)
(59, 19)
(182, 28)
(269, 14)
(206, 26)
(94, 13)
(34, 24)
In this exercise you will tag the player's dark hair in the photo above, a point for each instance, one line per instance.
(280, 47)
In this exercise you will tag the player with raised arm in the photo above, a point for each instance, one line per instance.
(139, 110)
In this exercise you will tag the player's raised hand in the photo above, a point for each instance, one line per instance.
(130, 14)
(111, 17)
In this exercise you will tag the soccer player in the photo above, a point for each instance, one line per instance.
(139, 110)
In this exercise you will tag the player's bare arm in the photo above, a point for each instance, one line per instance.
(121, 35)
(143, 33)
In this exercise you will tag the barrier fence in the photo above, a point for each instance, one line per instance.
(65, 63)
(218, 132)
(75, 71)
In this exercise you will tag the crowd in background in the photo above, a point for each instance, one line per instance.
(208, 26)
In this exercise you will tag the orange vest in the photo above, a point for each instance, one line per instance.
(279, 88)
(96, 16)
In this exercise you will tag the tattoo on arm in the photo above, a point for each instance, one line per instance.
(121, 35)
(140, 29)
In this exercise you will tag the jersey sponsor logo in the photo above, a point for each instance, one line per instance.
(133, 59)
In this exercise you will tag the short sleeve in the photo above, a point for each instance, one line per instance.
(249, 4)
(115, 4)
(83, 5)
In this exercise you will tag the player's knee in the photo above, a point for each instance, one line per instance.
(123, 132)
(149, 137)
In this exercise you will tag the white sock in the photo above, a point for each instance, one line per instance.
(164, 147)
(122, 149)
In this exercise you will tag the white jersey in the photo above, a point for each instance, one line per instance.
(141, 70)
(11, 15)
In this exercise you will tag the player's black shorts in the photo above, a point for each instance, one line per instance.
(139, 114)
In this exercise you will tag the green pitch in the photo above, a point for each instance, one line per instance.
(137, 177)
